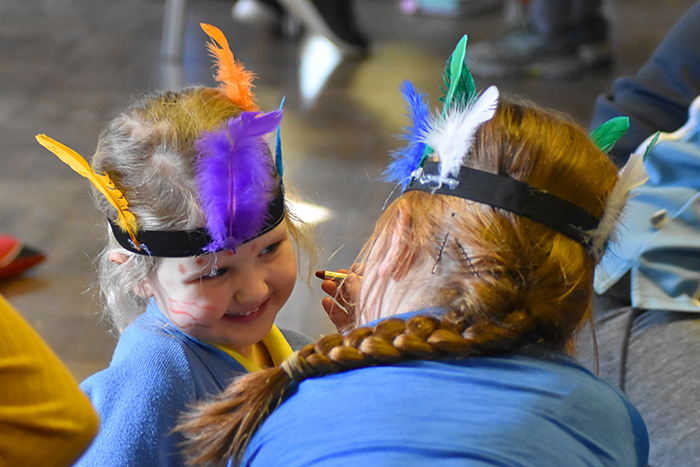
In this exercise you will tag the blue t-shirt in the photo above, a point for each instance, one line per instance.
(538, 408)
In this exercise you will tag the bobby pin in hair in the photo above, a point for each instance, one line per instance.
(466, 258)
(439, 256)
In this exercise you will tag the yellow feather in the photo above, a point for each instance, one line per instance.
(126, 220)
(235, 81)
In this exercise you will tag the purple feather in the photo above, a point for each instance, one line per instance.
(406, 160)
(234, 176)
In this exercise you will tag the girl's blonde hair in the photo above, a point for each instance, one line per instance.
(506, 281)
(149, 152)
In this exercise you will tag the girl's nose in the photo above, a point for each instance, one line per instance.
(250, 288)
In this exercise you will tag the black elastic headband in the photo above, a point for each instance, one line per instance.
(182, 243)
(504, 192)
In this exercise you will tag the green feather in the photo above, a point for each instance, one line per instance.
(650, 146)
(460, 88)
(607, 134)
(426, 153)
(458, 79)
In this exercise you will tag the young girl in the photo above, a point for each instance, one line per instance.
(474, 282)
(199, 261)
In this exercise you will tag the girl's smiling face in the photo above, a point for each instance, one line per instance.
(225, 297)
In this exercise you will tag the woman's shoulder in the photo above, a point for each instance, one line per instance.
(465, 406)
(558, 387)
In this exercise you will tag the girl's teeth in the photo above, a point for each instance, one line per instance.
(247, 313)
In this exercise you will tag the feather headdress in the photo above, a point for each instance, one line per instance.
(235, 178)
(234, 172)
(234, 80)
(125, 219)
(448, 136)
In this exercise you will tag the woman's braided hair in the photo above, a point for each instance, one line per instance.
(221, 428)
(506, 281)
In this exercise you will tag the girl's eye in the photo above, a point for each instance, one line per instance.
(270, 249)
(216, 272)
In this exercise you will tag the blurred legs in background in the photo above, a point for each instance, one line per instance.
(333, 19)
(554, 39)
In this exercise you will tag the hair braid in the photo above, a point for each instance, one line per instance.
(221, 428)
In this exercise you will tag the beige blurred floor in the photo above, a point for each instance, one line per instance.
(66, 66)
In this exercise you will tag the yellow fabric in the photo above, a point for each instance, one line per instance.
(45, 419)
(275, 343)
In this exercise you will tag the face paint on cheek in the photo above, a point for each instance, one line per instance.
(178, 307)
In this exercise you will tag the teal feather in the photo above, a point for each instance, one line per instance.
(607, 134)
(459, 83)
(651, 145)
(458, 78)
(278, 148)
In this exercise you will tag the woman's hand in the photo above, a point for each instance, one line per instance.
(340, 306)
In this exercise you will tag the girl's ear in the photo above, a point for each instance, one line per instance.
(143, 289)
(397, 249)
(118, 258)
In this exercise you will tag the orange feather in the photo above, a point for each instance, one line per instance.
(234, 80)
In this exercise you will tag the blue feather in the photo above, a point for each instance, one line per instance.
(406, 160)
(278, 148)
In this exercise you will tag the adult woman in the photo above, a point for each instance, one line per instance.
(503, 216)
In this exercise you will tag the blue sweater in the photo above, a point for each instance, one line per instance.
(156, 371)
(538, 408)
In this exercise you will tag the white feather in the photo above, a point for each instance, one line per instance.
(452, 137)
(632, 175)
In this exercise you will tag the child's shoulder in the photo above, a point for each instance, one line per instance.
(143, 362)
(296, 340)
(158, 357)
(153, 342)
